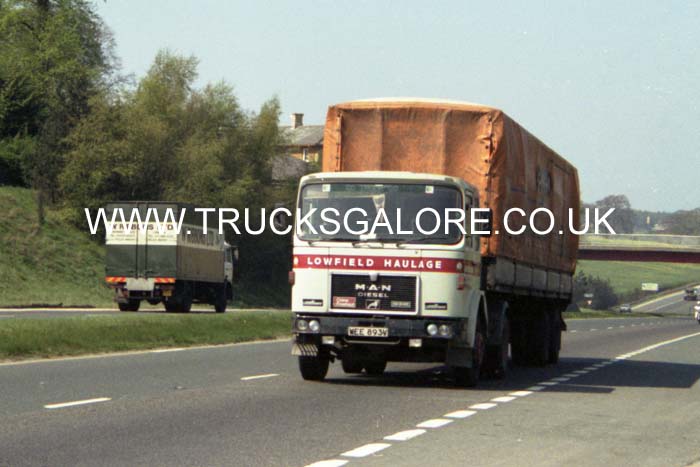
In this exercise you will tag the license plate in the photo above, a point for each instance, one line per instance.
(357, 331)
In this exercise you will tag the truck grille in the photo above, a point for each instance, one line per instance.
(387, 293)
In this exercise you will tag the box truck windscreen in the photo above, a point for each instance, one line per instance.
(348, 211)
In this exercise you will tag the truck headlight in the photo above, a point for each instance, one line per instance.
(302, 325)
(445, 330)
(314, 325)
(431, 329)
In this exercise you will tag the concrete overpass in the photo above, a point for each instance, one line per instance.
(640, 247)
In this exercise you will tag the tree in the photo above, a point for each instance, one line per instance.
(683, 222)
(55, 55)
(622, 219)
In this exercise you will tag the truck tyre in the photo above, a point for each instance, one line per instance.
(131, 305)
(221, 301)
(555, 338)
(350, 364)
(375, 367)
(518, 342)
(541, 333)
(314, 368)
(496, 364)
(469, 377)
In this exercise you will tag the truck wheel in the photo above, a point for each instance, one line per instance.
(518, 340)
(496, 364)
(131, 305)
(375, 367)
(541, 333)
(554, 338)
(153, 301)
(469, 377)
(220, 305)
(314, 368)
(350, 364)
(171, 306)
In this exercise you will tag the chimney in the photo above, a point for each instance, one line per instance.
(297, 120)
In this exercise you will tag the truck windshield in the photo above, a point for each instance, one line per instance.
(379, 212)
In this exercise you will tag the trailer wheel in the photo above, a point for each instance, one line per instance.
(541, 333)
(469, 377)
(555, 338)
(314, 368)
(131, 305)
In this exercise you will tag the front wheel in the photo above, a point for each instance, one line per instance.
(314, 368)
(469, 377)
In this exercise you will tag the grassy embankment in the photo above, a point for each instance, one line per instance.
(626, 277)
(54, 264)
(37, 338)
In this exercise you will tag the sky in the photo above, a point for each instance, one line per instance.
(613, 86)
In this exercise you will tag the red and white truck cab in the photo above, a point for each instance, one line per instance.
(408, 290)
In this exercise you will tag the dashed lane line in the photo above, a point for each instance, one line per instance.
(366, 450)
(437, 423)
(62, 405)
(268, 375)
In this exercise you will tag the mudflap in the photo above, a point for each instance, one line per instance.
(304, 350)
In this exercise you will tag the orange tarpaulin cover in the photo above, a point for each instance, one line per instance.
(479, 144)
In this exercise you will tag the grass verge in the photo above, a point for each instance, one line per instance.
(40, 338)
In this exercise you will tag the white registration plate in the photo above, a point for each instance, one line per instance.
(358, 331)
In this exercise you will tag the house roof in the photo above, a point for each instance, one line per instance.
(287, 167)
(305, 135)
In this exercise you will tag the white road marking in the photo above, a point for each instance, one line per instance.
(404, 435)
(483, 406)
(460, 414)
(634, 325)
(268, 375)
(591, 368)
(535, 388)
(620, 327)
(573, 331)
(174, 349)
(548, 383)
(581, 372)
(503, 399)
(74, 403)
(594, 329)
(434, 423)
(610, 327)
(598, 365)
(328, 463)
(520, 393)
(366, 450)
(571, 375)
(660, 344)
(561, 379)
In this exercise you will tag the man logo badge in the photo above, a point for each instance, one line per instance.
(372, 304)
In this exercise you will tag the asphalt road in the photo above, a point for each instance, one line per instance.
(625, 402)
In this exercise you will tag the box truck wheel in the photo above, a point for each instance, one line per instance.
(314, 368)
(131, 305)
(221, 300)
